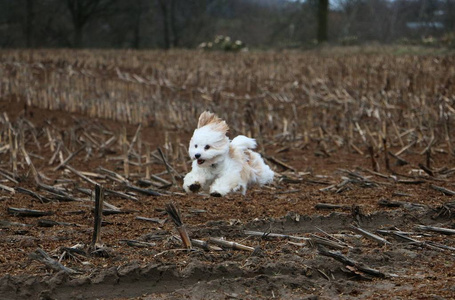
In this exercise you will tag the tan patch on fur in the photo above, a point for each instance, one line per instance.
(233, 153)
(237, 154)
(256, 165)
(245, 174)
(208, 118)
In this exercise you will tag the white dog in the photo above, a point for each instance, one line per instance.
(219, 165)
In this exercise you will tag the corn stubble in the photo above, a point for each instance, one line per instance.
(356, 100)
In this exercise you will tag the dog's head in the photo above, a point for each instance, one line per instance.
(209, 142)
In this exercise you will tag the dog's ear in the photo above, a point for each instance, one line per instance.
(208, 118)
(205, 118)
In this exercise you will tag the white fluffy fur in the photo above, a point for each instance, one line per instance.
(221, 166)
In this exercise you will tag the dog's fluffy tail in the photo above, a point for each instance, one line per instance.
(242, 142)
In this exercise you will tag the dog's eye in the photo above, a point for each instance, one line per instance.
(207, 147)
(195, 146)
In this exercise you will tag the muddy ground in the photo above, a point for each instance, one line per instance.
(279, 267)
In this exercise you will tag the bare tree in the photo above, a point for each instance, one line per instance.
(323, 16)
(173, 26)
(29, 23)
(182, 23)
(137, 12)
(450, 15)
(163, 5)
(82, 11)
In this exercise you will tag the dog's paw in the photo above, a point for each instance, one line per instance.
(215, 194)
(195, 187)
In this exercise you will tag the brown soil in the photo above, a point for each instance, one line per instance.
(277, 269)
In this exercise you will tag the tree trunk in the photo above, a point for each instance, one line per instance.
(450, 15)
(175, 35)
(323, 13)
(29, 24)
(78, 35)
(137, 31)
(164, 12)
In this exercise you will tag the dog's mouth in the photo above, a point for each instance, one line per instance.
(200, 161)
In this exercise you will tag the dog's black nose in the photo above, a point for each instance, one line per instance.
(197, 155)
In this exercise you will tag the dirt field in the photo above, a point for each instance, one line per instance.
(319, 160)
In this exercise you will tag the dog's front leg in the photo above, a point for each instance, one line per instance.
(226, 184)
(194, 180)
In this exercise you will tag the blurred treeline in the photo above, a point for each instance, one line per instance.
(144, 24)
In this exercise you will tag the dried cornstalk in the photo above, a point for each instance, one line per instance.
(347, 261)
(42, 199)
(157, 178)
(202, 244)
(443, 190)
(29, 162)
(8, 176)
(442, 230)
(332, 206)
(56, 152)
(402, 150)
(153, 220)
(426, 170)
(7, 188)
(80, 175)
(63, 163)
(430, 245)
(149, 192)
(99, 199)
(138, 130)
(374, 163)
(43, 257)
(51, 140)
(370, 235)
(147, 161)
(24, 212)
(205, 245)
(386, 155)
(280, 163)
(168, 168)
(174, 213)
(139, 244)
(13, 148)
(231, 245)
(113, 174)
(126, 168)
(276, 235)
